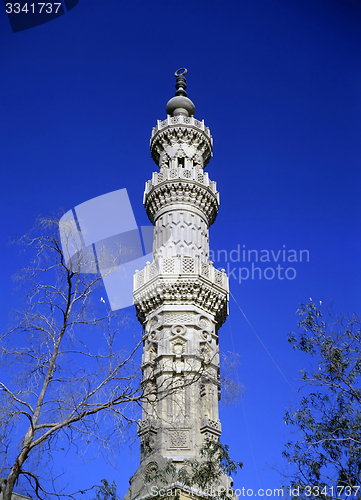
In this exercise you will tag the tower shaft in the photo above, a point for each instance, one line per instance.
(181, 299)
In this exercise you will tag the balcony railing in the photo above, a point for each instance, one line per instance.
(191, 174)
(181, 120)
(180, 267)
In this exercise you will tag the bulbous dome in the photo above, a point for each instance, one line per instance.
(180, 105)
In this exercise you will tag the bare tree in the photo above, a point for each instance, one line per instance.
(70, 375)
(68, 371)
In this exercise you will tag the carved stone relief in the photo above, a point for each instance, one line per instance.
(179, 330)
(151, 468)
(178, 438)
(178, 346)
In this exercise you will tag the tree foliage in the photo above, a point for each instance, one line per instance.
(326, 458)
(208, 473)
(107, 491)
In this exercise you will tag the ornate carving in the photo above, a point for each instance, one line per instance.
(182, 233)
(139, 279)
(151, 468)
(207, 352)
(179, 330)
(190, 138)
(178, 317)
(153, 335)
(178, 347)
(211, 429)
(182, 192)
(187, 265)
(205, 269)
(178, 439)
(155, 322)
(206, 335)
(218, 277)
(169, 266)
(147, 432)
(153, 271)
(204, 322)
(193, 290)
(147, 443)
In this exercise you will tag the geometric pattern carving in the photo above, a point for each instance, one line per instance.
(193, 290)
(178, 317)
(169, 266)
(139, 278)
(153, 270)
(195, 136)
(211, 429)
(186, 192)
(218, 277)
(205, 269)
(178, 438)
(189, 120)
(187, 265)
(181, 233)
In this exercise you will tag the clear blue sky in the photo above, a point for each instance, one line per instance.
(278, 83)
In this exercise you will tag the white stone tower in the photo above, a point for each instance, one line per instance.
(181, 299)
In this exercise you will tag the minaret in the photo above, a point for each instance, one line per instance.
(180, 298)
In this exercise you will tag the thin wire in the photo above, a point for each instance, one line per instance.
(265, 348)
(244, 413)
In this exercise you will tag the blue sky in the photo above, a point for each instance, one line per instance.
(278, 83)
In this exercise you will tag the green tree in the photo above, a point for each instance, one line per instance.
(209, 473)
(326, 458)
(107, 491)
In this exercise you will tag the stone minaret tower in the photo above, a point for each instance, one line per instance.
(180, 298)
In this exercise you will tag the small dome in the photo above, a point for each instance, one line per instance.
(180, 105)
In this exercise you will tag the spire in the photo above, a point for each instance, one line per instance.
(180, 104)
(181, 82)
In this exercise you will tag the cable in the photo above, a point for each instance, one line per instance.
(244, 414)
(267, 351)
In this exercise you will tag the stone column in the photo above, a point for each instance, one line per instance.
(180, 298)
